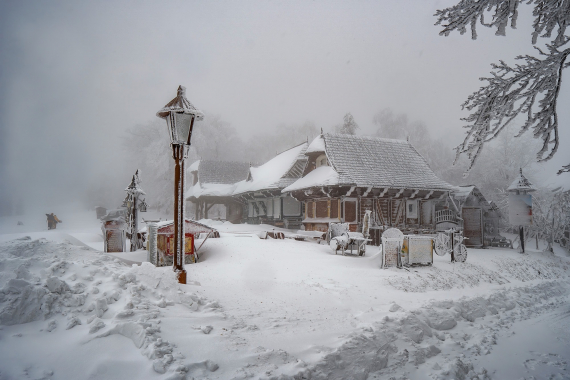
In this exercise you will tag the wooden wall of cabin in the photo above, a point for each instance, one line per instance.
(385, 212)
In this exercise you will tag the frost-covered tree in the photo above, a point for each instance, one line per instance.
(215, 139)
(263, 146)
(147, 148)
(500, 165)
(348, 126)
(529, 88)
(437, 152)
(550, 217)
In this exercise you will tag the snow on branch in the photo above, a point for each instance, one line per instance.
(565, 169)
(529, 89)
(548, 15)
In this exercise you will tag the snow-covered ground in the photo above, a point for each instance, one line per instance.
(265, 309)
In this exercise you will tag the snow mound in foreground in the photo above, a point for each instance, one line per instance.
(75, 288)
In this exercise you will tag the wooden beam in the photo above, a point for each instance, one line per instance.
(324, 192)
(428, 194)
(383, 192)
(414, 194)
(399, 193)
(367, 191)
(350, 191)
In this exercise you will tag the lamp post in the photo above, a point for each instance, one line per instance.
(179, 114)
(520, 204)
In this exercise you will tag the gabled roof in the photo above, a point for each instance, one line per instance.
(377, 162)
(226, 172)
(462, 192)
(521, 183)
(280, 171)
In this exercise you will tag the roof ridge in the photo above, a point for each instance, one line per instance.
(293, 147)
(364, 137)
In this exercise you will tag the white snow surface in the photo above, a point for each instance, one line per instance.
(321, 176)
(274, 309)
(210, 189)
(317, 145)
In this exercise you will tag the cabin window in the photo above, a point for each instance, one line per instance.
(310, 209)
(412, 209)
(322, 160)
(322, 209)
(334, 209)
(291, 207)
(350, 211)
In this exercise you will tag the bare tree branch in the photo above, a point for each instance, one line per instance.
(530, 88)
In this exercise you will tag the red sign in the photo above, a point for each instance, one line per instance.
(188, 245)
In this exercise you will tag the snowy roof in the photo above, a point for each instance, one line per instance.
(378, 162)
(180, 104)
(462, 192)
(194, 166)
(210, 190)
(281, 171)
(321, 176)
(521, 184)
(317, 145)
(216, 178)
(165, 223)
(226, 172)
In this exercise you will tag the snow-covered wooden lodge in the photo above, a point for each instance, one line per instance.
(337, 178)
(347, 175)
(213, 183)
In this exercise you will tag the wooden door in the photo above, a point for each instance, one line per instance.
(473, 226)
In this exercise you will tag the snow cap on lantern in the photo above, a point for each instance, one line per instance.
(180, 115)
(521, 185)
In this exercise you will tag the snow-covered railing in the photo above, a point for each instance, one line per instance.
(445, 216)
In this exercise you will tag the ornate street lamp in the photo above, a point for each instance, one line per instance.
(180, 115)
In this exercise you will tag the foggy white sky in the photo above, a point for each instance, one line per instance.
(75, 75)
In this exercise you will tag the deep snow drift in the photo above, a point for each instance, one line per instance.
(258, 308)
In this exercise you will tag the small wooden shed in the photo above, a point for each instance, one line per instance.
(480, 219)
(165, 241)
(114, 232)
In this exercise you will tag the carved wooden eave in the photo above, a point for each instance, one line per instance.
(367, 192)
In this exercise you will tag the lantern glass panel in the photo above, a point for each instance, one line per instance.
(171, 129)
(183, 122)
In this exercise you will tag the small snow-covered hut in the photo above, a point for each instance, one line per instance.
(213, 183)
(261, 191)
(347, 175)
(165, 240)
(480, 219)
